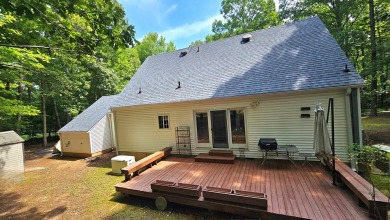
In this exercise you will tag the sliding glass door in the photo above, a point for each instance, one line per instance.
(237, 128)
(221, 128)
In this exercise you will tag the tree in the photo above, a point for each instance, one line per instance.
(350, 22)
(196, 43)
(49, 55)
(152, 44)
(244, 16)
(374, 81)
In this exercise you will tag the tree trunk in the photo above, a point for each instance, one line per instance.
(374, 80)
(44, 126)
(57, 115)
(19, 116)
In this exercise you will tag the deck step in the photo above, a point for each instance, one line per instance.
(223, 153)
(214, 159)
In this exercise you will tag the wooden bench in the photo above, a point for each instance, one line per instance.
(363, 190)
(238, 197)
(135, 168)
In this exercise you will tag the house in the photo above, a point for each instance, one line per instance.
(89, 133)
(229, 93)
(234, 91)
(11, 154)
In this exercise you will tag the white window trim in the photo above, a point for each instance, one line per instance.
(230, 136)
(228, 124)
(158, 121)
(203, 145)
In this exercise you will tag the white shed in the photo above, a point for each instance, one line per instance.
(11, 153)
(89, 133)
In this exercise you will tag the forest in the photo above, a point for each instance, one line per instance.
(59, 57)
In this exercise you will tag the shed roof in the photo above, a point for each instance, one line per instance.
(90, 116)
(9, 137)
(301, 55)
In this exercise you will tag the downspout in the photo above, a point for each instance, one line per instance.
(349, 124)
(349, 116)
(113, 133)
(359, 116)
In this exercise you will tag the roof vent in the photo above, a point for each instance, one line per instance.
(178, 85)
(246, 38)
(139, 92)
(183, 53)
(346, 70)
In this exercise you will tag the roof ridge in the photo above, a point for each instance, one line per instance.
(237, 35)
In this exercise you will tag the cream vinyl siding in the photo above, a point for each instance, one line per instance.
(12, 157)
(75, 142)
(100, 135)
(277, 115)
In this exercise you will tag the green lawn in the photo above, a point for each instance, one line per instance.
(377, 129)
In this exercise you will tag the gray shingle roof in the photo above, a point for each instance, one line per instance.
(297, 56)
(90, 116)
(9, 137)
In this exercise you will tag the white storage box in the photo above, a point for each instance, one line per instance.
(118, 162)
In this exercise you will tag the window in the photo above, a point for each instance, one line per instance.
(237, 126)
(202, 127)
(163, 121)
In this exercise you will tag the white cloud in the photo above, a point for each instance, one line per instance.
(170, 9)
(188, 30)
(155, 10)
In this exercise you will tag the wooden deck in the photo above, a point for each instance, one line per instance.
(303, 191)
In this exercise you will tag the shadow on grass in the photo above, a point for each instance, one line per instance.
(138, 207)
(11, 206)
(64, 158)
(101, 161)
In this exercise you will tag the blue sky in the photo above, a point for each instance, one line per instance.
(179, 21)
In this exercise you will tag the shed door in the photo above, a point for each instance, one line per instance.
(219, 129)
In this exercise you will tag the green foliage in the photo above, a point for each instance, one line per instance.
(196, 43)
(152, 44)
(366, 156)
(349, 23)
(67, 54)
(244, 16)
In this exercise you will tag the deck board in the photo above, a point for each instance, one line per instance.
(301, 191)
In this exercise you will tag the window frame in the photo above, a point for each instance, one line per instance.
(164, 125)
(230, 135)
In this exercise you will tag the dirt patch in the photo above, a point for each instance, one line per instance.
(49, 190)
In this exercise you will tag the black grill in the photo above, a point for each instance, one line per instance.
(268, 144)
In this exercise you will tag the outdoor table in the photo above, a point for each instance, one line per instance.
(305, 155)
(289, 149)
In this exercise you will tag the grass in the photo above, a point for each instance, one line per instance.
(376, 124)
(105, 198)
(382, 182)
(377, 129)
